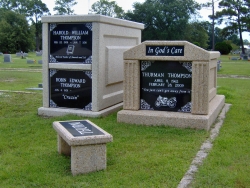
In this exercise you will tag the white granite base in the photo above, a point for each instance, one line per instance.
(174, 119)
(42, 111)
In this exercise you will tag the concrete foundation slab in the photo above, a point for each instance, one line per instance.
(43, 111)
(174, 119)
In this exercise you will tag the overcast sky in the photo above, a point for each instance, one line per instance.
(83, 6)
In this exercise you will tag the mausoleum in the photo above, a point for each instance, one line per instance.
(170, 83)
(83, 63)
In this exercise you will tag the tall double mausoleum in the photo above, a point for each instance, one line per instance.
(170, 83)
(83, 63)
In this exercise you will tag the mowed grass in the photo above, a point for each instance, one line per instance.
(19, 80)
(228, 164)
(18, 62)
(139, 156)
(234, 67)
(19, 75)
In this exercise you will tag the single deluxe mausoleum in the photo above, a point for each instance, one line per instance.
(83, 63)
(170, 83)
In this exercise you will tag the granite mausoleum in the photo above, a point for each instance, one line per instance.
(170, 83)
(83, 63)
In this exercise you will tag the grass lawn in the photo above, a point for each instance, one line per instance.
(234, 67)
(18, 62)
(139, 156)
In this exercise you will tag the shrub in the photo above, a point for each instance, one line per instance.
(223, 48)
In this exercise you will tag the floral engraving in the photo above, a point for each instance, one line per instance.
(52, 104)
(52, 72)
(186, 108)
(89, 74)
(89, 60)
(145, 105)
(88, 107)
(52, 27)
(145, 65)
(188, 66)
(89, 26)
(52, 59)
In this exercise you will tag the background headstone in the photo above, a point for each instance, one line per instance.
(245, 57)
(30, 61)
(218, 65)
(18, 54)
(40, 61)
(39, 53)
(7, 58)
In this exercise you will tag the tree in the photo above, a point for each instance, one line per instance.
(35, 10)
(6, 4)
(197, 34)
(223, 48)
(163, 19)
(19, 6)
(107, 8)
(15, 32)
(64, 6)
(211, 3)
(235, 39)
(236, 14)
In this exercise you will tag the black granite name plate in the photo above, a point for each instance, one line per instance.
(71, 89)
(81, 128)
(166, 86)
(164, 50)
(70, 43)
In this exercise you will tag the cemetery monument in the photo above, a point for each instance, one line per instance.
(170, 83)
(83, 63)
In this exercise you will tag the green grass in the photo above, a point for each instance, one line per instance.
(19, 80)
(18, 62)
(234, 67)
(139, 156)
(18, 75)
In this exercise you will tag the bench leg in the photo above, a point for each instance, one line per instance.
(63, 147)
(88, 158)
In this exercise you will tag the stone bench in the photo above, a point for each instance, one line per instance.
(85, 142)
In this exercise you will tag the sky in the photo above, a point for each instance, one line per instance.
(83, 6)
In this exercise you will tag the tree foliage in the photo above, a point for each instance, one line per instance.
(163, 19)
(107, 8)
(211, 3)
(63, 7)
(36, 9)
(31, 9)
(223, 47)
(15, 32)
(236, 15)
(197, 34)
